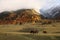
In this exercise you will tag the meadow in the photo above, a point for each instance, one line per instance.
(22, 32)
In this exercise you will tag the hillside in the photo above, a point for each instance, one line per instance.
(19, 16)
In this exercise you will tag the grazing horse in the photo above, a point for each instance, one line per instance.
(34, 31)
(44, 31)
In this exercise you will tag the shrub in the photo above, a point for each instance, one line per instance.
(29, 30)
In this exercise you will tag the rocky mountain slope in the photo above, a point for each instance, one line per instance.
(19, 16)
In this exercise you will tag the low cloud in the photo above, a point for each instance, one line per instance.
(19, 4)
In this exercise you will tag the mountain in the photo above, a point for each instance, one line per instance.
(45, 14)
(53, 12)
(56, 12)
(19, 16)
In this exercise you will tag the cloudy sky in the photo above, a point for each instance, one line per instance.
(6, 5)
(51, 3)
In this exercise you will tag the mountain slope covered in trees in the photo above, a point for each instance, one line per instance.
(19, 16)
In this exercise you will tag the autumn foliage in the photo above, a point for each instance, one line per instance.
(19, 16)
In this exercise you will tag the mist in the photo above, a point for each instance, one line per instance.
(9, 5)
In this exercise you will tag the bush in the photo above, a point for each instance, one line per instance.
(29, 30)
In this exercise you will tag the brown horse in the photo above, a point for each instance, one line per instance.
(34, 31)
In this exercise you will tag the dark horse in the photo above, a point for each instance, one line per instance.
(34, 31)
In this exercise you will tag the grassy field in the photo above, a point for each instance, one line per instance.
(20, 32)
(27, 37)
